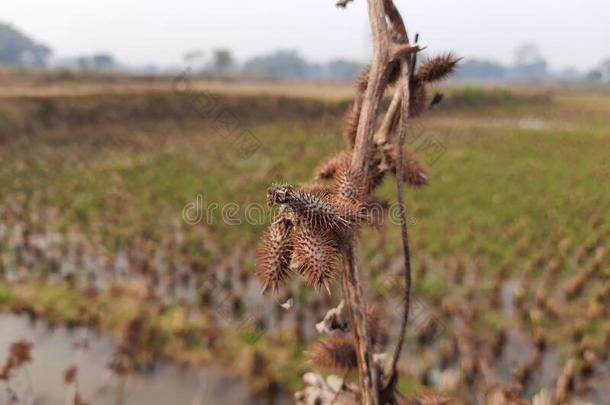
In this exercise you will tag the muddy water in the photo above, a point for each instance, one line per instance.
(55, 349)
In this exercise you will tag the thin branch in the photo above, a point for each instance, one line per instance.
(398, 51)
(386, 129)
(407, 71)
(389, 43)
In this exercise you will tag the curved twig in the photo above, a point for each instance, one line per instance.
(407, 69)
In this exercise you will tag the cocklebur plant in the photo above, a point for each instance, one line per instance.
(317, 225)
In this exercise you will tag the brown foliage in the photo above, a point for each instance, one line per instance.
(316, 255)
(415, 171)
(273, 254)
(418, 100)
(19, 354)
(350, 124)
(437, 68)
(335, 353)
(327, 169)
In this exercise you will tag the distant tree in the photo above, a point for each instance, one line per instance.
(222, 61)
(342, 70)
(104, 61)
(604, 68)
(529, 63)
(100, 61)
(594, 76)
(83, 63)
(528, 54)
(193, 58)
(18, 49)
(281, 65)
(476, 69)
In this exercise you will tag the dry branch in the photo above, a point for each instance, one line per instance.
(327, 218)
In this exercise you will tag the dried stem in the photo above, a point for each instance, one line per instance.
(353, 294)
(362, 148)
(384, 133)
(407, 69)
(387, 46)
(375, 88)
(403, 225)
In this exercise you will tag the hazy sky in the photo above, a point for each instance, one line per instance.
(569, 32)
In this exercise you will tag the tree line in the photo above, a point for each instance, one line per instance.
(18, 49)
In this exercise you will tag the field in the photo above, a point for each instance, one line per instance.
(134, 208)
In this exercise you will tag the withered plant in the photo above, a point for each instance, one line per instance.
(18, 356)
(73, 396)
(315, 231)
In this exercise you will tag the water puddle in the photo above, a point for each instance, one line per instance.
(56, 349)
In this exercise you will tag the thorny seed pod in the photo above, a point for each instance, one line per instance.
(335, 353)
(392, 71)
(278, 194)
(349, 185)
(437, 68)
(436, 100)
(376, 211)
(350, 124)
(415, 171)
(418, 98)
(350, 191)
(313, 210)
(327, 169)
(317, 189)
(362, 81)
(316, 256)
(378, 169)
(274, 253)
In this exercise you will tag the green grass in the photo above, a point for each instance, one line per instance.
(6, 295)
(487, 180)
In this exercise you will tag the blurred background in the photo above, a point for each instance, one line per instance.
(137, 140)
(543, 41)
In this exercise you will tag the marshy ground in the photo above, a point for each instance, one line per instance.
(134, 207)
